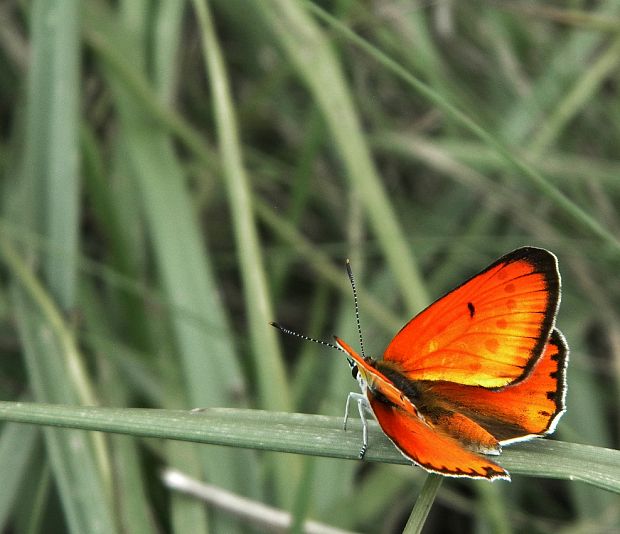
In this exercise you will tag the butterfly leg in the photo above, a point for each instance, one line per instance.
(356, 397)
(362, 405)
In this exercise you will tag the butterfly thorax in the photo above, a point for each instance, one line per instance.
(390, 386)
(409, 388)
(428, 406)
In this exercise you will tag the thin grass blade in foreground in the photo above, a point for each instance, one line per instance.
(308, 434)
(423, 504)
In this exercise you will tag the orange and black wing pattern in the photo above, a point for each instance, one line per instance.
(490, 331)
(481, 367)
(432, 448)
(531, 407)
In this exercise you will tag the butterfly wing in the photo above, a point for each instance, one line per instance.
(489, 331)
(431, 447)
(520, 411)
(440, 439)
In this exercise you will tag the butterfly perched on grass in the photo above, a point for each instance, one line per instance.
(481, 367)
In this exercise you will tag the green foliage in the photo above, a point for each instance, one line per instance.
(176, 175)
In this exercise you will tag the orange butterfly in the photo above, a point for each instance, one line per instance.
(481, 367)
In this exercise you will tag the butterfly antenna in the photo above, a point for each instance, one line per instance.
(305, 337)
(357, 308)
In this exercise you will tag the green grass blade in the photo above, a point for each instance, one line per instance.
(269, 368)
(166, 41)
(60, 180)
(130, 485)
(309, 434)
(423, 505)
(17, 444)
(70, 362)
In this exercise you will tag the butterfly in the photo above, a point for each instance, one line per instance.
(481, 367)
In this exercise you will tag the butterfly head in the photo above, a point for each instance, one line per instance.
(358, 376)
(361, 367)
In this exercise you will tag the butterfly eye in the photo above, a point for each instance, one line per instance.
(354, 372)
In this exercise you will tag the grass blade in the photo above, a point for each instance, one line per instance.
(308, 434)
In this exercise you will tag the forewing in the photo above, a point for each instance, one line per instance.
(489, 331)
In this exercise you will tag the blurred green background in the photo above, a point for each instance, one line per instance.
(175, 175)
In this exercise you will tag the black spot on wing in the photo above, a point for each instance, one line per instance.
(472, 310)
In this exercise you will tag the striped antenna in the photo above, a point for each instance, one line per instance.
(305, 337)
(357, 308)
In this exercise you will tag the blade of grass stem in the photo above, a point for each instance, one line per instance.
(60, 180)
(308, 434)
(423, 504)
(270, 370)
(17, 444)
